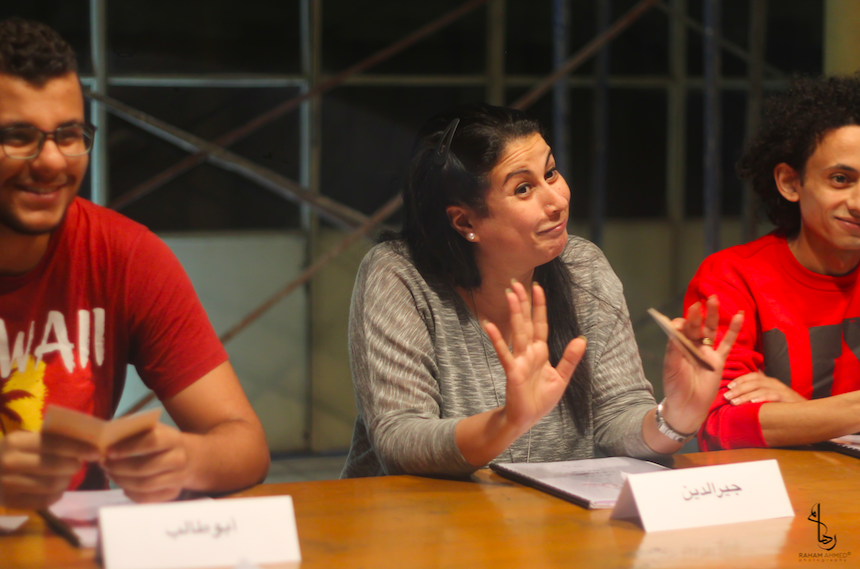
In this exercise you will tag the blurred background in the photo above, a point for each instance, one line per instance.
(317, 102)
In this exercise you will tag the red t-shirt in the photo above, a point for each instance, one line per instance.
(107, 293)
(800, 327)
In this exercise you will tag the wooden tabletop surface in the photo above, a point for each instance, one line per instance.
(413, 522)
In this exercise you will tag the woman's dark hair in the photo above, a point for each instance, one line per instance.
(793, 125)
(456, 172)
(34, 52)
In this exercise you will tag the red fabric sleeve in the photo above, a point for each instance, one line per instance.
(171, 341)
(728, 426)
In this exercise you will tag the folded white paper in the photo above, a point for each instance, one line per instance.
(9, 524)
(211, 533)
(704, 496)
(98, 432)
(79, 510)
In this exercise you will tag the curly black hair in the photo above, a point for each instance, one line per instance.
(793, 125)
(34, 52)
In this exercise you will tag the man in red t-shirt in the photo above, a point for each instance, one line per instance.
(83, 293)
(793, 374)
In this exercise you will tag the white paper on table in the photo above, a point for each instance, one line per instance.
(849, 439)
(593, 482)
(8, 524)
(98, 432)
(80, 511)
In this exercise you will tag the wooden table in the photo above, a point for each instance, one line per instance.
(409, 522)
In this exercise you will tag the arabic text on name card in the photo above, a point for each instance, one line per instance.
(704, 496)
(210, 533)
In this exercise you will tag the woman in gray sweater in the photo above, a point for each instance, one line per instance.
(457, 364)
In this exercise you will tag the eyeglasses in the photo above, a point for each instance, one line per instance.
(25, 142)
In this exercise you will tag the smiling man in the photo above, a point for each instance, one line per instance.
(793, 375)
(83, 293)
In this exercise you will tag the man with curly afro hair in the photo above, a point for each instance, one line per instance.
(84, 292)
(793, 375)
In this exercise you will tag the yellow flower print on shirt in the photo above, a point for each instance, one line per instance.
(22, 397)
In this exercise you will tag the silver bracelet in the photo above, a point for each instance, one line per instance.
(667, 429)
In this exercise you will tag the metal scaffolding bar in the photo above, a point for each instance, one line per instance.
(713, 132)
(386, 211)
(496, 52)
(99, 190)
(280, 110)
(583, 54)
(676, 148)
(312, 68)
(428, 80)
(333, 211)
(757, 42)
(560, 94)
(601, 128)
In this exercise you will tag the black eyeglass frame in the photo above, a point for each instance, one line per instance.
(89, 139)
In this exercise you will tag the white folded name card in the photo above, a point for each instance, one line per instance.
(200, 533)
(704, 496)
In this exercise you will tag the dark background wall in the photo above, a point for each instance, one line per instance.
(368, 130)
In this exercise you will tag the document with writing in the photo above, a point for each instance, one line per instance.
(592, 483)
(848, 444)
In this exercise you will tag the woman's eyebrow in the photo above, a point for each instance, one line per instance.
(514, 173)
(526, 170)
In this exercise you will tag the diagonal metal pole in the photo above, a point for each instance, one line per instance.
(727, 45)
(366, 228)
(327, 208)
(583, 54)
(280, 110)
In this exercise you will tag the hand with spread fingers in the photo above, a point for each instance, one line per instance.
(533, 386)
(757, 387)
(35, 468)
(151, 466)
(689, 388)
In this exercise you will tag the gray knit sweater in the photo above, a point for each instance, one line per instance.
(420, 362)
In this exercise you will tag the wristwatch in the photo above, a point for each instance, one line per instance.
(667, 429)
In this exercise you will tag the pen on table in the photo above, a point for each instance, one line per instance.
(59, 526)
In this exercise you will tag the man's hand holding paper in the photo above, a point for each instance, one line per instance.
(145, 458)
(151, 466)
(36, 468)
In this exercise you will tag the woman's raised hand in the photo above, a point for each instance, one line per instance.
(690, 389)
(533, 385)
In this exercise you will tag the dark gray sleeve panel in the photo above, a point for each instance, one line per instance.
(776, 361)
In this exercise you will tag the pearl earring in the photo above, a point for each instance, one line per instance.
(470, 236)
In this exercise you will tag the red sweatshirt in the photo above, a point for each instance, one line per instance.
(799, 327)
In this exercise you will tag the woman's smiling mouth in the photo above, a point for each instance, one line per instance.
(558, 228)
